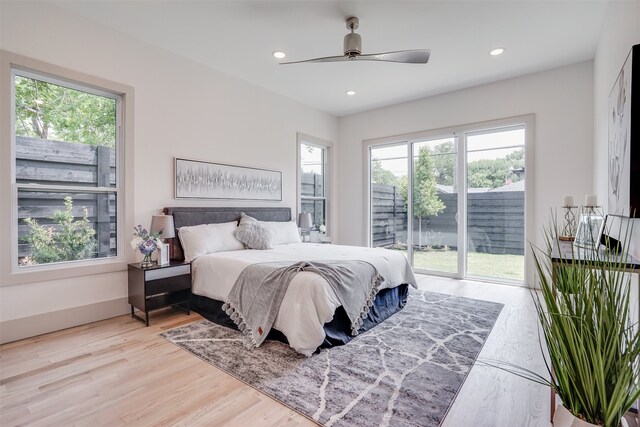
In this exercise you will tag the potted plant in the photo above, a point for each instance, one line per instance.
(593, 346)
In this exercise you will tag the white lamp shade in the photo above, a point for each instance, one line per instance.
(304, 220)
(164, 224)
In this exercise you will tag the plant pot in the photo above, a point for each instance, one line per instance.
(564, 418)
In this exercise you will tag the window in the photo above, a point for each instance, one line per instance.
(313, 178)
(67, 175)
(66, 159)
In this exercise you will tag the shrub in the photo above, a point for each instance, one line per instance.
(71, 240)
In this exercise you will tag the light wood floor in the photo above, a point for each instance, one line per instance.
(117, 372)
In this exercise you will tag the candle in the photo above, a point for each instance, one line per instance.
(567, 201)
(591, 200)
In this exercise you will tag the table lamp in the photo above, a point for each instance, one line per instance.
(164, 224)
(304, 222)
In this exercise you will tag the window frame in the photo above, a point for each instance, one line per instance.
(12, 273)
(327, 148)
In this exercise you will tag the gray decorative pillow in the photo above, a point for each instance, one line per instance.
(253, 234)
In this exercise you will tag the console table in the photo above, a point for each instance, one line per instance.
(564, 253)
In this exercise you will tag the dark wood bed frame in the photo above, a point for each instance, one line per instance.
(188, 216)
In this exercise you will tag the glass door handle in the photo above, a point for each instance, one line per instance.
(457, 216)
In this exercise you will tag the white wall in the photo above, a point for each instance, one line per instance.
(561, 100)
(181, 109)
(620, 31)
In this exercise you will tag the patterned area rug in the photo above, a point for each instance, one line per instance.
(404, 372)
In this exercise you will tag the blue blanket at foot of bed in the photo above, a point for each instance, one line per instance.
(338, 331)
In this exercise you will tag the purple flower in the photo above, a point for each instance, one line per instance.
(148, 246)
(144, 242)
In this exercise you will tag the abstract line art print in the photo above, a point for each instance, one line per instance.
(206, 180)
(623, 140)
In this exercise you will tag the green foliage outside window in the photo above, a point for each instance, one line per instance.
(48, 111)
(444, 158)
(425, 195)
(494, 173)
(71, 240)
(382, 176)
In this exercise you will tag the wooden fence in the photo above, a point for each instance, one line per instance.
(495, 221)
(312, 186)
(70, 164)
(388, 215)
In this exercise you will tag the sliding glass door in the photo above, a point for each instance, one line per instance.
(435, 205)
(388, 189)
(453, 203)
(414, 202)
(495, 203)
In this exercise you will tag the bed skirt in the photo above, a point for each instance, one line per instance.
(338, 331)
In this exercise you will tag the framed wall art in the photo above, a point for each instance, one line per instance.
(206, 180)
(624, 139)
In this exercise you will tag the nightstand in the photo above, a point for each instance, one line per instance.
(158, 287)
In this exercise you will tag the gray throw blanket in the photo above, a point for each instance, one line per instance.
(255, 299)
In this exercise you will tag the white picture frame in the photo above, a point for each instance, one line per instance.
(163, 255)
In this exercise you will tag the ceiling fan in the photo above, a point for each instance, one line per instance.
(353, 51)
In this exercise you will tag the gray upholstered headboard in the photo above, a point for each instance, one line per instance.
(187, 216)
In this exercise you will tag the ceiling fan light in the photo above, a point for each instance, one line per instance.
(497, 51)
(278, 54)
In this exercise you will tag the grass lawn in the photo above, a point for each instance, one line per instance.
(509, 267)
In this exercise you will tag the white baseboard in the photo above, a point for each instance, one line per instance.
(26, 327)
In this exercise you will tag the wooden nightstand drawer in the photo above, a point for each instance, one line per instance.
(168, 284)
(160, 273)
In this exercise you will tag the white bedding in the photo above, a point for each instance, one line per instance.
(309, 302)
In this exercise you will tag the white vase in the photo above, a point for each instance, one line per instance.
(563, 418)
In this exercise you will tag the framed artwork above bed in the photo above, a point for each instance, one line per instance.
(624, 139)
(206, 180)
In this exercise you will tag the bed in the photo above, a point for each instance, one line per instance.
(310, 316)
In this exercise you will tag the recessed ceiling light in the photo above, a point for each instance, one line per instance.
(279, 54)
(350, 92)
(497, 51)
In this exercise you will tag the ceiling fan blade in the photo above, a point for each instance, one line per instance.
(417, 56)
(324, 59)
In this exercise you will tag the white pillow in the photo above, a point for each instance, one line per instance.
(283, 232)
(208, 238)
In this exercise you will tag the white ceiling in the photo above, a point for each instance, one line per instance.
(238, 37)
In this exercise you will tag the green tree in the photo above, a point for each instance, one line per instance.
(73, 240)
(425, 197)
(494, 173)
(485, 173)
(48, 111)
(444, 160)
(380, 175)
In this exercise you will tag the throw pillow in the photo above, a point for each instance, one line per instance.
(253, 233)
